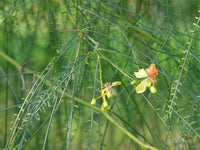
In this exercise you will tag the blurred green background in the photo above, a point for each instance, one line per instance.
(131, 34)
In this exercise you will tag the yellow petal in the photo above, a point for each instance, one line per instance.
(116, 83)
(143, 85)
(149, 83)
(141, 74)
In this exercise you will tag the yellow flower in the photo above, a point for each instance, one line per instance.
(108, 92)
(147, 78)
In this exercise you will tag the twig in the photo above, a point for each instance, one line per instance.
(23, 65)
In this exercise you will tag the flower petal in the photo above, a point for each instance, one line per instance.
(141, 74)
(149, 83)
(116, 83)
(152, 71)
(140, 88)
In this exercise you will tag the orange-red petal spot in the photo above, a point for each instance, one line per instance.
(152, 71)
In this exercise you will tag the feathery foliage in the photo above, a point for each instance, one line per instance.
(69, 74)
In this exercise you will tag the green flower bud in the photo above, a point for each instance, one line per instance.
(153, 90)
(105, 104)
(109, 94)
(93, 102)
(133, 82)
(103, 109)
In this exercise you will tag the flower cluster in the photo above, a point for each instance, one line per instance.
(107, 92)
(148, 79)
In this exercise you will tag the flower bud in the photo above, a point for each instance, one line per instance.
(133, 82)
(116, 83)
(153, 90)
(109, 94)
(93, 102)
(105, 104)
(103, 109)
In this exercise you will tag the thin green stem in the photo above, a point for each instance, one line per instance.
(83, 102)
(99, 59)
(125, 74)
(49, 124)
(10, 60)
(114, 122)
(64, 8)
